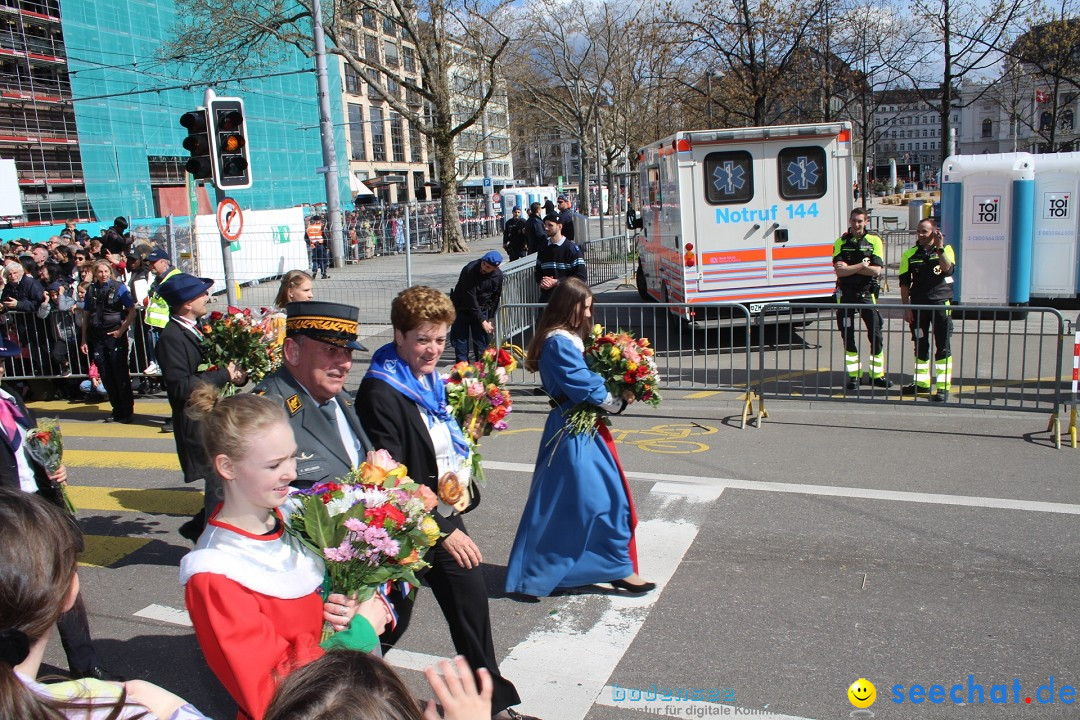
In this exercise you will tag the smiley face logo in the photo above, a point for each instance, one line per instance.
(862, 693)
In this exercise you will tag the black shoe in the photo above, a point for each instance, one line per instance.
(97, 673)
(640, 589)
(513, 714)
(852, 384)
(192, 529)
(910, 389)
(882, 382)
(940, 396)
(166, 427)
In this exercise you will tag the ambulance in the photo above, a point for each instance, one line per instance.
(744, 215)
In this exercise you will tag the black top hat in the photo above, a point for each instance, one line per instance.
(8, 347)
(180, 288)
(332, 323)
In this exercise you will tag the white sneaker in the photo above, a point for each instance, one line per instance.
(152, 369)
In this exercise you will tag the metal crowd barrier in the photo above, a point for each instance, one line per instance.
(687, 358)
(608, 258)
(1004, 358)
(50, 346)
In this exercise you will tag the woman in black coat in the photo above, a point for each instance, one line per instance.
(402, 406)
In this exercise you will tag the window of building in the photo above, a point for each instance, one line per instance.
(378, 135)
(1066, 120)
(348, 41)
(415, 144)
(1046, 121)
(371, 48)
(729, 178)
(353, 83)
(389, 27)
(373, 77)
(369, 18)
(397, 138)
(924, 146)
(987, 128)
(393, 87)
(408, 56)
(390, 52)
(356, 132)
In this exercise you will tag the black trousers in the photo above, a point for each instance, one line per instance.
(940, 321)
(74, 630)
(871, 318)
(111, 358)
(460, 331)
(463, 598)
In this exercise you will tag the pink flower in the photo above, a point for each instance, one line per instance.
(474, 389)
(430, 499)
(382, 460)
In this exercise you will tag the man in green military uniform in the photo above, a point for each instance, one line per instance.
(857, 260)
(926, 278)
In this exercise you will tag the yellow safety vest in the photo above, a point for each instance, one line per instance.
(157, 310)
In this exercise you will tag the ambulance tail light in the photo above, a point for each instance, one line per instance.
(844, 136)
(680, 145)
(689, 258)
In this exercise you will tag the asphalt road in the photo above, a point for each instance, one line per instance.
(904, 545)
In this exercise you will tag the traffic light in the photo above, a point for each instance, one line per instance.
(197, 143)
(229, 144)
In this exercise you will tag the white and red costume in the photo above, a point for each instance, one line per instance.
(255, 603)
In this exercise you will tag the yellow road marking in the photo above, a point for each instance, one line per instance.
(104, 550)
(702, 394)
(114, 430)
(118, 459)
(152, 502)
(149, 407)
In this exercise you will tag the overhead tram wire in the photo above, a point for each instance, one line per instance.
(191, 85)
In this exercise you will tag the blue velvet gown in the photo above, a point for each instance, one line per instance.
(576, 526)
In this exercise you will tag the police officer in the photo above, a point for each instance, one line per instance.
(566, 217)
(476, 298)
(926, 278)
(857, 260)
(106, 325)
(514, 235)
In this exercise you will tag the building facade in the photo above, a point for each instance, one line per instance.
(911, 135)
(386, 153)
(105, 109)
(1018, 114)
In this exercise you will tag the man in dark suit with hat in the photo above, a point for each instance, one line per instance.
(320, 338)
(180, 354)
(20, 470)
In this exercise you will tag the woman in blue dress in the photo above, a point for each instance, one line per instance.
(578, 524)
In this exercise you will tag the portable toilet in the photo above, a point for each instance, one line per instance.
(1054, 245)
(987, 203)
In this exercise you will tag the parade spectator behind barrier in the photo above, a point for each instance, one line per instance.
(63, 328)
(40, 253)
(514, 241)
(926, 278)
(25, 296)
(549, 207)
(69, 231)
(20, 471)
(39, 552)
(64, 257)
(110, 310)
(320, 338)
(857, 261)
(558, 258)
(251, 588)
(402, 406)
(96, 250)
(320, 256)
(566, 217)
(576, 528)
(181, 353)
(476, 299)
(343, 685)
(138, 282)
(535, 237)
(116, 240)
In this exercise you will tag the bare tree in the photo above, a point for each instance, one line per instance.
(1048, 56)
(458, 44)
(756, 45)
(961, 39)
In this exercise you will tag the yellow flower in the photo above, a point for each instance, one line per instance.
(598, 329)
(615, 353)
(430, 528)
(631, 366)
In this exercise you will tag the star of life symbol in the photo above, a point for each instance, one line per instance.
(729, 177)
(802, 173)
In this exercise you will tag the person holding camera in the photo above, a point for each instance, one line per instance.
(926, 278)
(857, 260)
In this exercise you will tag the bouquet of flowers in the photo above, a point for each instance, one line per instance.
(477, 396)
(237, 336)
(372, 527)
(46, 444)
(628, 368)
